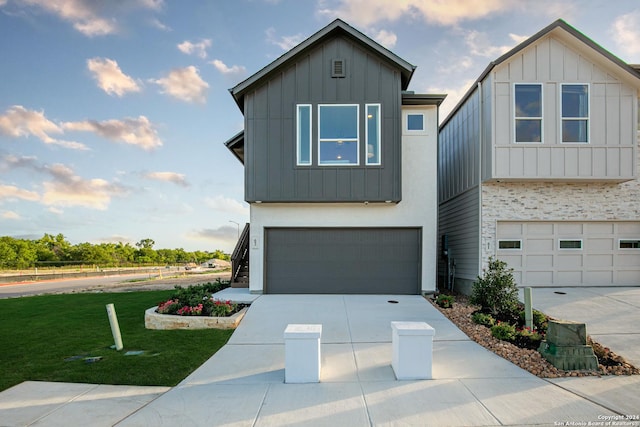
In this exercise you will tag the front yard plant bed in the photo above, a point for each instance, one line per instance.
(522, 351)
(194, 307)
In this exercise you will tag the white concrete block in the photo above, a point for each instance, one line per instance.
(302, 353)
(412, 344)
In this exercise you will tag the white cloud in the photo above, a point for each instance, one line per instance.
(479, 44)
(285, 42)
(222, 235)
(225, 69)
(184, 84)
(11, 192)
(3, 2)
(454, 95)
(176, 178)
(87, 16)
(450, 12)
(20, 122)
(55, 210)
(10, 214)
(156, 23)
(135, 131)
(69, 189)
(227, 205)
(83, 14)
(386, 38)
(199, 49)
(110, 77)
(625, 31)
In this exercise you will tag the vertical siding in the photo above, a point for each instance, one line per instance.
(271, 174)
(459, 150)
(611, 150)
(458, 218)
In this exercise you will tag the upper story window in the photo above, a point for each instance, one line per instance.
(415, 122)
(528, 112)
(575, 113)
(373, 134)
(303, 134)
(338, 134)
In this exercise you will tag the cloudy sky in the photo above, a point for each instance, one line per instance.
(113, 114)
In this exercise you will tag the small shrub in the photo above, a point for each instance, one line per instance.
(169, 307)
(445, 301)
(527, 338)
(503, 331)
(223, 308)
(483, 319)
(540, 320)
(496, 290)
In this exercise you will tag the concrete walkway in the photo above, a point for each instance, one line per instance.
(243, 384)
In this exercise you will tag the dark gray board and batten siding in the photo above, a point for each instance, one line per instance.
(271, 174)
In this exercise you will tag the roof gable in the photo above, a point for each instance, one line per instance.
(337, 27)
(563, 30)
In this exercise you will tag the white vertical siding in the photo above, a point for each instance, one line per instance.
(611, 151)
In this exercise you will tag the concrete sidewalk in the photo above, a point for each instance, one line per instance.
(243, 384)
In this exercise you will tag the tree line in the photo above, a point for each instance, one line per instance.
(56, 251)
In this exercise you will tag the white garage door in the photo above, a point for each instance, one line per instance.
(571, 253)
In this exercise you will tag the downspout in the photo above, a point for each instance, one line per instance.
(480, 141)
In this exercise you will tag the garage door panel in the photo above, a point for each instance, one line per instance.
(569, 260)
(598, 277)
(599, 262)
(539, 245)
(347, 260)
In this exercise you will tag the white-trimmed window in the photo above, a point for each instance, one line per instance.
(527, 112)
(510, 244)
(372, 131)
(570, 244)
(415, 122)
(338, 134)
(303, 135)
(629, 244)
(575, 113)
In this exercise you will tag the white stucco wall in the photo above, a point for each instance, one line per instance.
(418, 207)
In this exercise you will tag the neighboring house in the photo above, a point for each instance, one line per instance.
(340, 170)
(538, 166)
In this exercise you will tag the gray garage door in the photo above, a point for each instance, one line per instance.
(343, 260)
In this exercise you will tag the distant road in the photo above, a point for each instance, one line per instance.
(105, 284)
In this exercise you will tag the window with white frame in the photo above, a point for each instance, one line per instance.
(629, 244)
(575, 113)
(415, 122)
(303, 135)
(528, 113)
(373, 134)
(511, 245)
(338, 134)
(570, 244)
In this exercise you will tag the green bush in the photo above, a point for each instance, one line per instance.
(483, 319)
(496, 290)
(504, 331)
(540, 320)
(445, 301)
(196, 294)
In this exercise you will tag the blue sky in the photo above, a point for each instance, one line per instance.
(113, 114)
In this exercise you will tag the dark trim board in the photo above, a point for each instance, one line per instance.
(357, 260)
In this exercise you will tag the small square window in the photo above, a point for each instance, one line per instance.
(415, 122)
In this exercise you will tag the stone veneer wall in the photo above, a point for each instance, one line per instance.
(555, 201)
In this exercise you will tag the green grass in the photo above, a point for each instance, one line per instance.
(38, 333)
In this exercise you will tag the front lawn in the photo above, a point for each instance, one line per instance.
(49, 338)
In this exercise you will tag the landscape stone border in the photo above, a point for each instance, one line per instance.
(154, 320)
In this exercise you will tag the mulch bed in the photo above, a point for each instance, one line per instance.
(531, 360)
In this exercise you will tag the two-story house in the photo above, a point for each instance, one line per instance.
(340, 169)
(538, 166)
